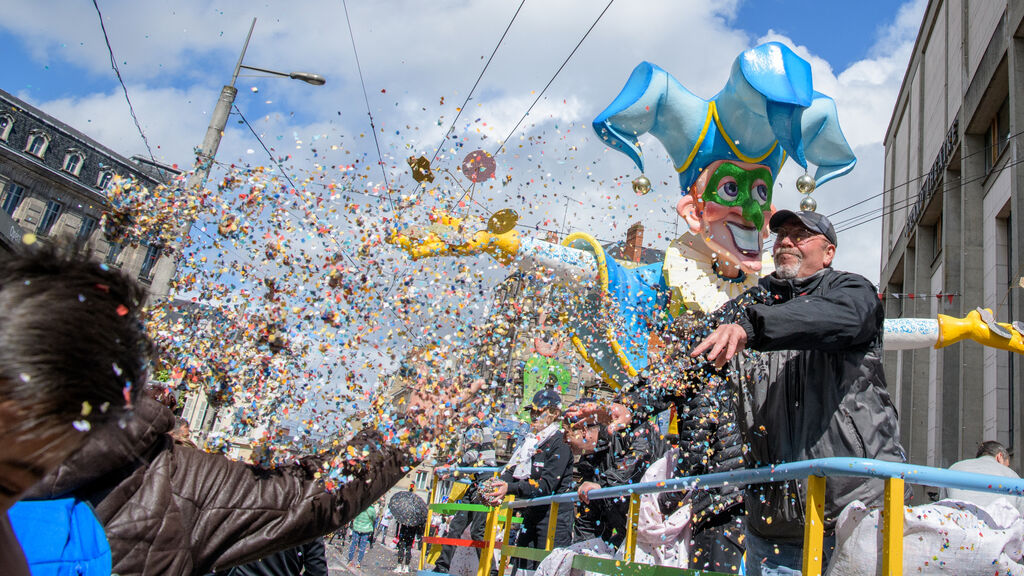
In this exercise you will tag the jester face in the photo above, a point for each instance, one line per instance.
(729, 207)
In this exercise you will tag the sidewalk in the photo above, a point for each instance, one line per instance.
(378, 561)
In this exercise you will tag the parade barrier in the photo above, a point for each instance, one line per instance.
(445, 507)
(894, 474)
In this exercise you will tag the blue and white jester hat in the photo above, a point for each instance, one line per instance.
(767, 110)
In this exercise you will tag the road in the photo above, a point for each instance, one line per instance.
(378, 561)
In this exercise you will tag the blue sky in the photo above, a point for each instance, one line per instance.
(839, 31)
(419, 61)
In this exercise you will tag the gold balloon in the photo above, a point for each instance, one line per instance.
(502, 221)
(420, 169)
(808, 204)
(805, 184)
(642, 185)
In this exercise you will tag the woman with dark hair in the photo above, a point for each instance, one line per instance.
(72, 356)
(73, 351)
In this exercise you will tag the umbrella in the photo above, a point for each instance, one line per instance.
(408, 509)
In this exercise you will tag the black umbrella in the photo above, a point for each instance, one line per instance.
(408, 509)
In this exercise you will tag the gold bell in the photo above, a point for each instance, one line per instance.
(642, 185)
(808, 204)
(805, 184)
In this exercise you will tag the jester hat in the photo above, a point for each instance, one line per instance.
(767, 110)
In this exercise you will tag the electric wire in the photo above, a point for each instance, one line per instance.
(340, 249)
(117, 72)
(501, 146)
(462, 108)
(983, 150)
(265, 149)
(557, 72)
(912, 200)
(366, 98)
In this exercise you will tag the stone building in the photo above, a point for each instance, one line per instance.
(952, 230)
(52, 182)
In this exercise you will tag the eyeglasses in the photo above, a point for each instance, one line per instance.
(797, 235)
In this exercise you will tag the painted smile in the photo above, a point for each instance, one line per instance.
(747, 239)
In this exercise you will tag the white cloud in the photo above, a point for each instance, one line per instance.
(176, 57)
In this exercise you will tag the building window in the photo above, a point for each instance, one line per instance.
(113, 254)
(152, 255)
(53, 209)
(73, 162)
(88, 225)
(5, 126)
(15, 192)
(997, 136)
(37, 143)
(104, 179)
(422, 480)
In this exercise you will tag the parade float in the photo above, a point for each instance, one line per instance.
(727, 150)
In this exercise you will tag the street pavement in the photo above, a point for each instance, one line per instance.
(378, 561)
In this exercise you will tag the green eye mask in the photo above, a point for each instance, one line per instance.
(753, 211)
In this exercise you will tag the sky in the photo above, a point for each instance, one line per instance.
(420, 60)
(174, 57)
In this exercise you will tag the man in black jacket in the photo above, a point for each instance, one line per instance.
(540, 466)
(309, 559)
(817, 391)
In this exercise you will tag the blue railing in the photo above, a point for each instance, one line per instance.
(815, 471)
(823, 467)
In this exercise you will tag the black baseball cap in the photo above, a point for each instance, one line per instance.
(546, 399)
(811, 220)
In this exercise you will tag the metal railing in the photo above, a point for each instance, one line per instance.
(894, 474)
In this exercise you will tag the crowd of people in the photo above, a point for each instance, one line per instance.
(788, 371)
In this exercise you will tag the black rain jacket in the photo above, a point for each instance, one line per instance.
(551, 473)
(817, 390)
(619, 459)
(709, 440)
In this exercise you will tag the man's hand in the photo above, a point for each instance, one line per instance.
(613, 417)
(584, 491)
(496, 492)
(724, 343)
(432, 407)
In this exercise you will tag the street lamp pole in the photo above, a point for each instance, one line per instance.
(219, 120)
(211, 142)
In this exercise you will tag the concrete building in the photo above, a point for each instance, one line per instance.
(952, 230)
(52, 182)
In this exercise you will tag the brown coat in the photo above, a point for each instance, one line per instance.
(172, 509)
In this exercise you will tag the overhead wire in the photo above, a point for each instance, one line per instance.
(341, 250)
(894, 187)
(124, 88)
(369, 112)
(912, 200)
(519, 122)
(551, 81)
(465, 102)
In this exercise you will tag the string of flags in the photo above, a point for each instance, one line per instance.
(915, 295)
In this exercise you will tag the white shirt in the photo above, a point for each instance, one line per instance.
(983, 465)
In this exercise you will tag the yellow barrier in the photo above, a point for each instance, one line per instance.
(892, 529)
(814, 525)
(426, 529)
(815, 471)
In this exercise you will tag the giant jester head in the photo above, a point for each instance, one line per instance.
(728, 150)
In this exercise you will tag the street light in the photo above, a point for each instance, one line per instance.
(219, 120)
(314, 79)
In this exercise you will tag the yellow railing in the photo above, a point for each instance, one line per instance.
(815, 471)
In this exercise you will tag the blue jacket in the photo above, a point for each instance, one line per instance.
(61, 538)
